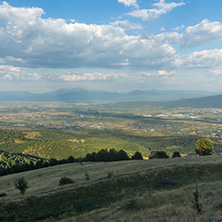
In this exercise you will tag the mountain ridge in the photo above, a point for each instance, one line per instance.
(83, 95)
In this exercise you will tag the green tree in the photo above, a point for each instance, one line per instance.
(21, 184)
(158, 154)
(137, 156)
(176, 154)
(204, 147)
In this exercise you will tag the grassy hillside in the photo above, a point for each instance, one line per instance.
(153, 190)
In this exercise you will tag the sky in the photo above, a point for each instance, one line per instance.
(111, 45)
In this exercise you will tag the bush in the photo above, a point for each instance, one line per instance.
(176, 154)
(158, 154)
(87, 176)
(3, 194)
(21, 184)
(110, 175)
(65, 180)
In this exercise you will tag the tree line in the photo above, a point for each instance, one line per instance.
(203, 147)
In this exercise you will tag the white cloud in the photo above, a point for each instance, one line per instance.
(91, 76)
(129, 3)
(127, 25)
(217, 72)
(202, 59)
(202, 33)
(159, 9)
(213, 75)
(28, 40)
(160, 74)
(163, 29)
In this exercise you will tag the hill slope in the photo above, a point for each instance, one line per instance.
(135, 191)
(203, 102)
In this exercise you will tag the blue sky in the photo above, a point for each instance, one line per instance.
(113, 45)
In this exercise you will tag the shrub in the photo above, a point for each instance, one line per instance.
(158, 154)
(65, 180)
(110, 175)
(21, 184)
(3, 194)
(196, 203)
(176, 154)
(87, 176)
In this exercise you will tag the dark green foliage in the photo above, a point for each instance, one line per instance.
(53, 162)
(197, 206)
(65, 180)
(158, 154)
(204, 147)
(176, 154)
(71, 159)
(10, 159)
(21, 184)
(132, 205)
(107, 156)
(137, 156)
(3, 194)
(110, 175)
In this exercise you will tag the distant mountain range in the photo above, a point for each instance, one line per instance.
(83, 95)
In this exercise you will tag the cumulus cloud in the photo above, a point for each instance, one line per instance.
(28, 40)
(202, 59)
(129, 3)
(159, 9)
(202, 33)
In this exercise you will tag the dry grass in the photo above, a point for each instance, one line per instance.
(165, 206)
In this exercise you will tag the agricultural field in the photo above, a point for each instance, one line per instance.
(59, 130)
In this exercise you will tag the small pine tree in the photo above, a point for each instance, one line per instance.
(196, 203)
(21, 184)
